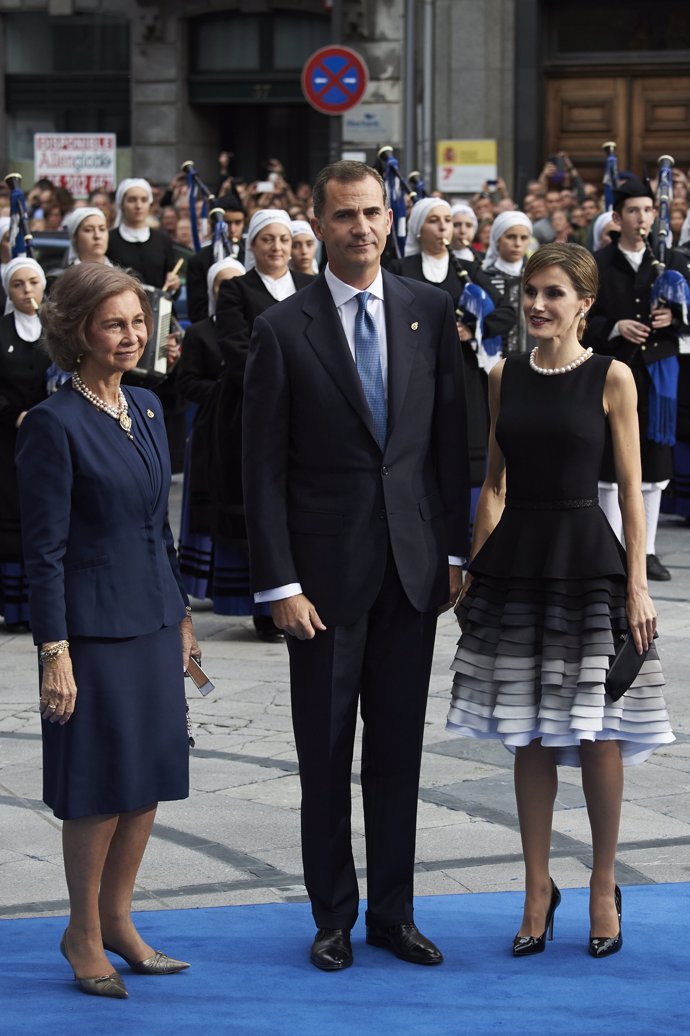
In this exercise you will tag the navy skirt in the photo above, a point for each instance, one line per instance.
(126, 745)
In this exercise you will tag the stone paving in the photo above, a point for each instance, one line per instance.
(236, 839)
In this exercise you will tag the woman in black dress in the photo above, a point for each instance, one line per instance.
(108, 612)
(427, 259)
(549, 586)
(23, 366)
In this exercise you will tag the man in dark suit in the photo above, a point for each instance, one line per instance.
(357, 496)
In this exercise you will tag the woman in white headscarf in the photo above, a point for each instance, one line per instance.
(510, 244)
(23, 366)
(88, 236)
(304, 246)
(428, 258)
(241, 300)
(134, 244)
(198, 372)
(465, 225)
(601, 230)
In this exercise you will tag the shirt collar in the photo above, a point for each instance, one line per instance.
(343, 292)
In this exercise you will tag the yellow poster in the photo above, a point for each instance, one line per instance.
(463, 166)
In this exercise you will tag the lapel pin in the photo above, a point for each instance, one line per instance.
(414, 326)
(150, 413)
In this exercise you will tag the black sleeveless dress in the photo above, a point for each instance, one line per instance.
(549, 585)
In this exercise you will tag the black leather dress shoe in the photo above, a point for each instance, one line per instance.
(406, 942)
(655, 570)
(331, 949)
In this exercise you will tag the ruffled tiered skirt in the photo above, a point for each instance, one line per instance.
(531, 663)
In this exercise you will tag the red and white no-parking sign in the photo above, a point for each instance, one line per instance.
(334, 79)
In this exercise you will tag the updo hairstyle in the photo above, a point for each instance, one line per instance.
(576, 261)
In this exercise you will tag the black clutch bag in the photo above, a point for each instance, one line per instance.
(625, 666)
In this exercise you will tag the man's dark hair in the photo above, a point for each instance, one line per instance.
(344, 172)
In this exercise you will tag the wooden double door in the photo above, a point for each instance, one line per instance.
(646, 115)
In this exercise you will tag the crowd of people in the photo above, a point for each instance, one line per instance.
(348, 415)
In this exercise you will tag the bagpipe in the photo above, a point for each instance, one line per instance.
(396, 188)
(222, 245)
(20, 234)
(610, 178)
(476, 302)
(670, 288)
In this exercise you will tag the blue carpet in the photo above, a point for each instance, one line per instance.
(250, 975)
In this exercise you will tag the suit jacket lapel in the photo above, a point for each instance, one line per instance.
(402, 339)
(327, 338)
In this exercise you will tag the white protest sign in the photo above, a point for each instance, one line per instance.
(81, 162)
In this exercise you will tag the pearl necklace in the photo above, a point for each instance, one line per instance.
(119, 413)
(548, 371)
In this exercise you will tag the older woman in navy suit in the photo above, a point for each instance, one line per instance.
(108, 612)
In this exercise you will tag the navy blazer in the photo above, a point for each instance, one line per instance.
(98, 550)
(322, 500)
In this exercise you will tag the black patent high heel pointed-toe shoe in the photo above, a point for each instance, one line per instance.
(526, 945)
(605, 946)
(107, 985)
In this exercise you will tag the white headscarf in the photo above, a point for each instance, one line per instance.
(213, 271)
(600, 224)
(417, 219)
(300, 226)
(466, 210)
(28, 325)
(261, 219)
(73, 221)
(500, 226)
(131, 233)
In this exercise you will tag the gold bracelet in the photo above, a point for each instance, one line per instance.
(51, 654)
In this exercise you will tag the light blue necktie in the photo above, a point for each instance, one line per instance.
(368, 359)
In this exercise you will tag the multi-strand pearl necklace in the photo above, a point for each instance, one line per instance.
(548, 371)
(119, 413)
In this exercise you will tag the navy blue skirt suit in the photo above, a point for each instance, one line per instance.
(103, 574)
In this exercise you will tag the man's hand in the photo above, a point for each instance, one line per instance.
(633, 331)
(661, 317)
(455, 580)
(297, 616)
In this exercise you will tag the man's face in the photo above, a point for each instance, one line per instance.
(553, 201)
(635, 219)
(235, 222)
(589, 209)
(354, 226)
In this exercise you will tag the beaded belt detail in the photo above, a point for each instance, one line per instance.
(550, 505)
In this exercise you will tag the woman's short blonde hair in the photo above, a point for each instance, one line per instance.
(72, 303)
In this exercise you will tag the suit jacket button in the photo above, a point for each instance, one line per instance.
(384, 470)
(382, 514)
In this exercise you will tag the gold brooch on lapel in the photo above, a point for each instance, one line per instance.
(415, 326)
(150, 413)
